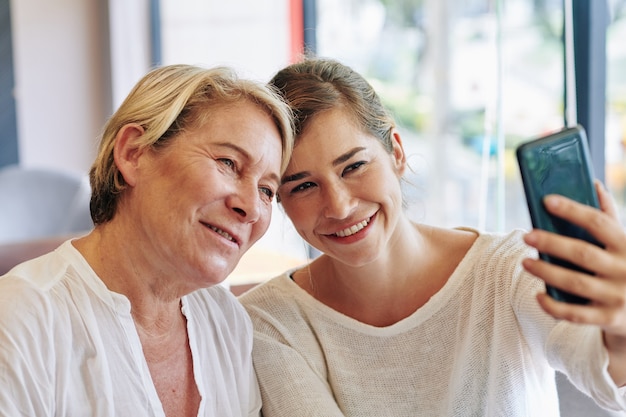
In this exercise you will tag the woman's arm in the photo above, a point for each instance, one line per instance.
(290, 385)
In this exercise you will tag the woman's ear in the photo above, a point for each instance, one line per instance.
(127, 151)
(398, 155)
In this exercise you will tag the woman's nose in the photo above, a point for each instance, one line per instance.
(246, 202)
(339, 203)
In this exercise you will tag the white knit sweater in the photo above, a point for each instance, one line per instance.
(481, 346)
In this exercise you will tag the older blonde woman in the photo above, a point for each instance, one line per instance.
(127, 320)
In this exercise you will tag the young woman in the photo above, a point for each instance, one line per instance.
(397, 318)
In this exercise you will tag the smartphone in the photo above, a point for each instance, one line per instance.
(558, 163)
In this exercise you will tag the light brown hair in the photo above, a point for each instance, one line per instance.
(317, 84)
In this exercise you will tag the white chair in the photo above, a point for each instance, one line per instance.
(38, 203)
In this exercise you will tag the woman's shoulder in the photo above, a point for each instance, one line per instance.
(45, 270)
(485, 240)
(281, 302)
(217, 298)
(510, 242)
(497, 255)
(495, 250)
(446, 239)
(273, 291)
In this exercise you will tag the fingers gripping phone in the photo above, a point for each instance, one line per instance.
(558, 163)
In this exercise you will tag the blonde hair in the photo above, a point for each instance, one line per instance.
(167, 101)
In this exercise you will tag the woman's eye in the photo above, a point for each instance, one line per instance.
(268, 192)
(353, 167)
(228, 162)
(302, 187)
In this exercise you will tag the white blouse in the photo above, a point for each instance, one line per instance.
(69, 346)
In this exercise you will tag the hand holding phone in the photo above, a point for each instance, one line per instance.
(558, 163)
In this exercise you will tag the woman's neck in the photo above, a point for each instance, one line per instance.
(394, 285)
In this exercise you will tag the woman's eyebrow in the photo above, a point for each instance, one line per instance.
(343, 158)
(295, 177)
(337, 161)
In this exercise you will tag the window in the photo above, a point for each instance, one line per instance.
(467, 81)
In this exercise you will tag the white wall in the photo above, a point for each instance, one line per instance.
(71, 71)
(250, 35)
(61, 75)
(129, 45)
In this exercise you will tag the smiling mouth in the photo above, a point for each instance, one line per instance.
(349, 231)
(222, 233)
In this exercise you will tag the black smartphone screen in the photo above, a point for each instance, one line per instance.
(558, 163)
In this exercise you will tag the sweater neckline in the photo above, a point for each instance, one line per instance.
(435, 303)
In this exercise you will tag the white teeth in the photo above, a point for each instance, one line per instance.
(223, 233)
(353, 229)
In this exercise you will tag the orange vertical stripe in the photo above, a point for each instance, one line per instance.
(296, 30)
